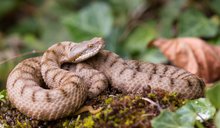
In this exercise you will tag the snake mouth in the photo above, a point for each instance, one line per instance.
(87, 54)
(86, 50)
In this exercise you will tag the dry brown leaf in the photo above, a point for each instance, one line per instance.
(192, 54)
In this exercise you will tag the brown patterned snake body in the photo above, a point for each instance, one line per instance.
(65, 91)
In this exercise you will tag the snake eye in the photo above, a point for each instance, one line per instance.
(90, 45)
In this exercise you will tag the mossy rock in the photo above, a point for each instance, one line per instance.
(119, 110)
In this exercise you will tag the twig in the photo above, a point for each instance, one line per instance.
(149, 114)
(20, 55)
(202, 119)
(152, 102)
(112, 96)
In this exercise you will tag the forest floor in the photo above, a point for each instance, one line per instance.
(119, 110)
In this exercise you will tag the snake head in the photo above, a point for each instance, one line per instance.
(86, 49)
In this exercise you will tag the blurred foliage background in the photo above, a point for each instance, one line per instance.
(28, 27)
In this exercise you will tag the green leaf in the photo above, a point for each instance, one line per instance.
(26, 26)
(136, 44)
(186, 114)
(31, 42)
(6, 6)
(111, 40)
(126, 6)
(5, 68)
(169, 13)
(53, 33)
(153, 55)
(217, 120)
(123, 9)
(201, 108)
(169, 120)
(137, 41)
(213, 95)
(194, 23)
(2, 94)
(191, 112)
(93, 20)
(217, 41)
(215, 5)
(49, 20)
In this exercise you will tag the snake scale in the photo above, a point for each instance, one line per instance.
(47, 88)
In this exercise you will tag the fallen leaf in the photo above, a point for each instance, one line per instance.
(193, 55)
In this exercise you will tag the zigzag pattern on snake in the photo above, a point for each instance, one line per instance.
(41, 89)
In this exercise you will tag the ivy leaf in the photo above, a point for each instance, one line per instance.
(26, 26)
(7, 6)
(186, 114)
(153, 55)
(93, 20)
(32, 42)
(123, 9)
(194, 23)
(170, 120)
(217, 118)
(138, 39)
(213, 95)
(200, 109)
(215, 5)
(136, 42)
(168, 14)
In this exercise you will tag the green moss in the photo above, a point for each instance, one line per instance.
(23, 124)
(5, 126)
(98, 115)
(151, 95)
(106, 113)
(108, 100)
(88, 122)
(66, 123)
(128, 122)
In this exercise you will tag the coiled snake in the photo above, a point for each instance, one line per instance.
(41, 89)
